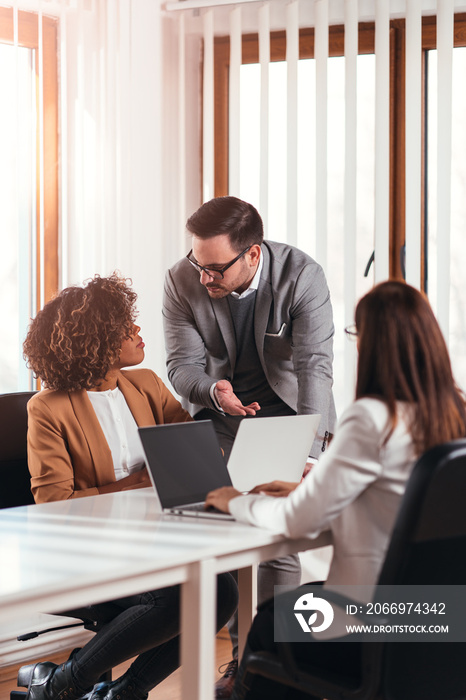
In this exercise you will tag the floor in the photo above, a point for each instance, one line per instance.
(170, 689)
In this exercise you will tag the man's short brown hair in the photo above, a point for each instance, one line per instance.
(228, 215)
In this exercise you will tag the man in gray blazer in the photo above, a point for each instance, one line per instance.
(249, 331)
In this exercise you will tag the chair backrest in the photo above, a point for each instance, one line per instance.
(428, 546)
(15, 485)
(430, 529)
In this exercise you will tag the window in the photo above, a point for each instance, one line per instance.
(249, 139)
(436, 238)
(28, 180)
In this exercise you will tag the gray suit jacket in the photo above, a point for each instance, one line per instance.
(293, 331)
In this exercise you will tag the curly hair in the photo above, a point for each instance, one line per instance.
(77, 336)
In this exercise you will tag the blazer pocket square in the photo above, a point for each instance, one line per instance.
(279, 334)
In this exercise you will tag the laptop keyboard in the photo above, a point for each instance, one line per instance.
(194, 506)
(199, 507)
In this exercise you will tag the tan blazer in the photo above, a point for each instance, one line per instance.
(68, 455)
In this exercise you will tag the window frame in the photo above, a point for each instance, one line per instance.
(28, 37)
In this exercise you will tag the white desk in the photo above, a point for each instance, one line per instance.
(72, 553)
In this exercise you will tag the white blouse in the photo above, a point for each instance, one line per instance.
(120, 430)
(354, 490)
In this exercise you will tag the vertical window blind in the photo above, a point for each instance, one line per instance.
(350, 189)
(208, 108)
(264, 60)
(444, 137)
(382, 139)
(321, 145)
(292, 55)
(413, 142)
(234, 102)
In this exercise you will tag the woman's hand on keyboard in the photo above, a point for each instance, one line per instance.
(278, 489)
(220, 498)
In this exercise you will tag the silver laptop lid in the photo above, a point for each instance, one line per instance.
(272, 448)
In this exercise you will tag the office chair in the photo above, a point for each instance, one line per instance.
(428, 546)
(14, 475)
(15, 490)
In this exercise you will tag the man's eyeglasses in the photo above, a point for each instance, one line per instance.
(216, 274)
(351, 332)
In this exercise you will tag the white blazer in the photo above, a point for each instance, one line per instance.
(354, 490)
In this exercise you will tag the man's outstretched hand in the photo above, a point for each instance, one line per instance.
(230, 403)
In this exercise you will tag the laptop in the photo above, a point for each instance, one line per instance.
(271, 448)
(185, 461)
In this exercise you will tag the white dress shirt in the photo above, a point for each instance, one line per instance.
(354, 490)
(120, 430)
(254, 282)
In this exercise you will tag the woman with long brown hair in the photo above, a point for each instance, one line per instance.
(406, 402)
(83, 441)
(403, 358)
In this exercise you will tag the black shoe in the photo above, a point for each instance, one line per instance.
(123, 688)
(47, 681)
(224, 686)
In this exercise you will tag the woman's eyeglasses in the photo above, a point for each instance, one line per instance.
(351, 332)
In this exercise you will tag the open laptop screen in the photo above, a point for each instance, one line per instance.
(185, 461)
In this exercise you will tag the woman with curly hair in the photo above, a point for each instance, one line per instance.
(83, 441)
(77, 345)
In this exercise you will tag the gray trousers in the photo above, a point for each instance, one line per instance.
(285, 571)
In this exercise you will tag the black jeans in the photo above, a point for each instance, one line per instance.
(147, 626)
(342, 656)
